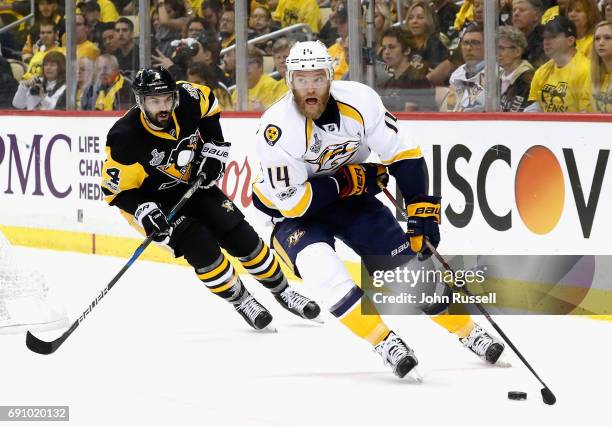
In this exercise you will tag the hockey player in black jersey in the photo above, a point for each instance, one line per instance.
(153, 154)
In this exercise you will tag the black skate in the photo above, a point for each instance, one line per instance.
(396, 353)
(298, 304)
(484, 345)
(254, 313)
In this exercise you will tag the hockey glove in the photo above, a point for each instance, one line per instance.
(152, 219)
(354, 180)
(423, 220)
(212, 160)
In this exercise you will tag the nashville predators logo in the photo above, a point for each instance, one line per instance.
(295, 237)
(272, 134)
(228, 206)
(335, 155)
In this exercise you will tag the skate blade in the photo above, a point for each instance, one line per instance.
(319, 320)
(415, 375)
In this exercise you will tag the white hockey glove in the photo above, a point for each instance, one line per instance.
(152, 219)
(212, 160)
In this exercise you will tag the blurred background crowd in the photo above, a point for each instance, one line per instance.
(551, 56)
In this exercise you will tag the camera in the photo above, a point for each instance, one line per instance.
(184, 50)
(36, 87)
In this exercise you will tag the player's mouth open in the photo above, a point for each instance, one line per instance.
(163, 116)
(311, 101)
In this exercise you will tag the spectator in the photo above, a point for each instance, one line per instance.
(205, 75)
(562, 84)
(211, 11)
(125, 7)
(84, 46)
(328, 33)
(127, 53)
(261, 86)
(464, 16)
(382, 21)
(47, 11)
(47, 92)
(427, 51)
(108, 36)
(194, 27)
(336, 50)
(227, 37)
(91, 11)
(585, 15)
(8, 84)
(559, 9)
(172, 21)
(601, 68)
(290, 12)
(526, 15)
(516, 72)
(446, 11)
(229, 67)
(607, 9)
(407, 89)
(466, 91)
(260, 23)
(280, 52)
(45, 44)
(112, 90)
(85, 78)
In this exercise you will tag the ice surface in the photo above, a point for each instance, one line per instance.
(161, 350)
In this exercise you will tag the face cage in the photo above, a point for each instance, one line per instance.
(289, 76)
(141, 98)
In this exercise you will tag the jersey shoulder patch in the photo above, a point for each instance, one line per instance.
(272, 133)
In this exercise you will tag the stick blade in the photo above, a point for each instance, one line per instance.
(548, 396)
(39, 346)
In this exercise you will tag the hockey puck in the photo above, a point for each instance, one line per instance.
(517, 395)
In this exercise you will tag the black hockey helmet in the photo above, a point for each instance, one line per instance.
(153, 81)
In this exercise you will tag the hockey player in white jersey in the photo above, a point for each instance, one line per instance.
(312, 144)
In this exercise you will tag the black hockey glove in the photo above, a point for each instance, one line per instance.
(354, 180)
(423, 219)
(212, 160)
(152, 219)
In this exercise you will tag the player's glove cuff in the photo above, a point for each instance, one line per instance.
(423, 219)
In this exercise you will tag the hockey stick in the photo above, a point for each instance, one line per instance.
(547, 395)
(47, 347)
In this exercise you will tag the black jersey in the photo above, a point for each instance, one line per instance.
(141, 163)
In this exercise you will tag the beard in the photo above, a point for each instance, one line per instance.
(161, 119)
(308, 108)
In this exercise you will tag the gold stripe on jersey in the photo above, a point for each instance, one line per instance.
(160, 134)
(301, 206)
(413, 153)
(308, 125)
(129, 177)
(283, 255)
(207, 108)
(350, 111)
(262, 197)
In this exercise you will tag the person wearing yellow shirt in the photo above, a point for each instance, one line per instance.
(84, 47)
(280, 52)
(48, 43)
(553, 11)
(562, 85)
(584, 14)
(290, 12)
(336, 51)
(261, 92)
(601, 68)
(112, 91)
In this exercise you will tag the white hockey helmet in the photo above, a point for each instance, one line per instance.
(306, 56)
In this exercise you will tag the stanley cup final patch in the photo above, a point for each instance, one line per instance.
(272, 133)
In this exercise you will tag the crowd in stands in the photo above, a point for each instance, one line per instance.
(553, 56)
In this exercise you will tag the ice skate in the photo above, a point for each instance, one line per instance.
(396, 353)
(484, 345)
(254, 313)
(298, 304)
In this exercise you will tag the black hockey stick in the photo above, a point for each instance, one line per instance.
(547, 395)
(47, 347)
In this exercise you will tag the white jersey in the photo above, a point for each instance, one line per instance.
(292, 149)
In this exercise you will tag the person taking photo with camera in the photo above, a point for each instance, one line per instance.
(47, 92)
